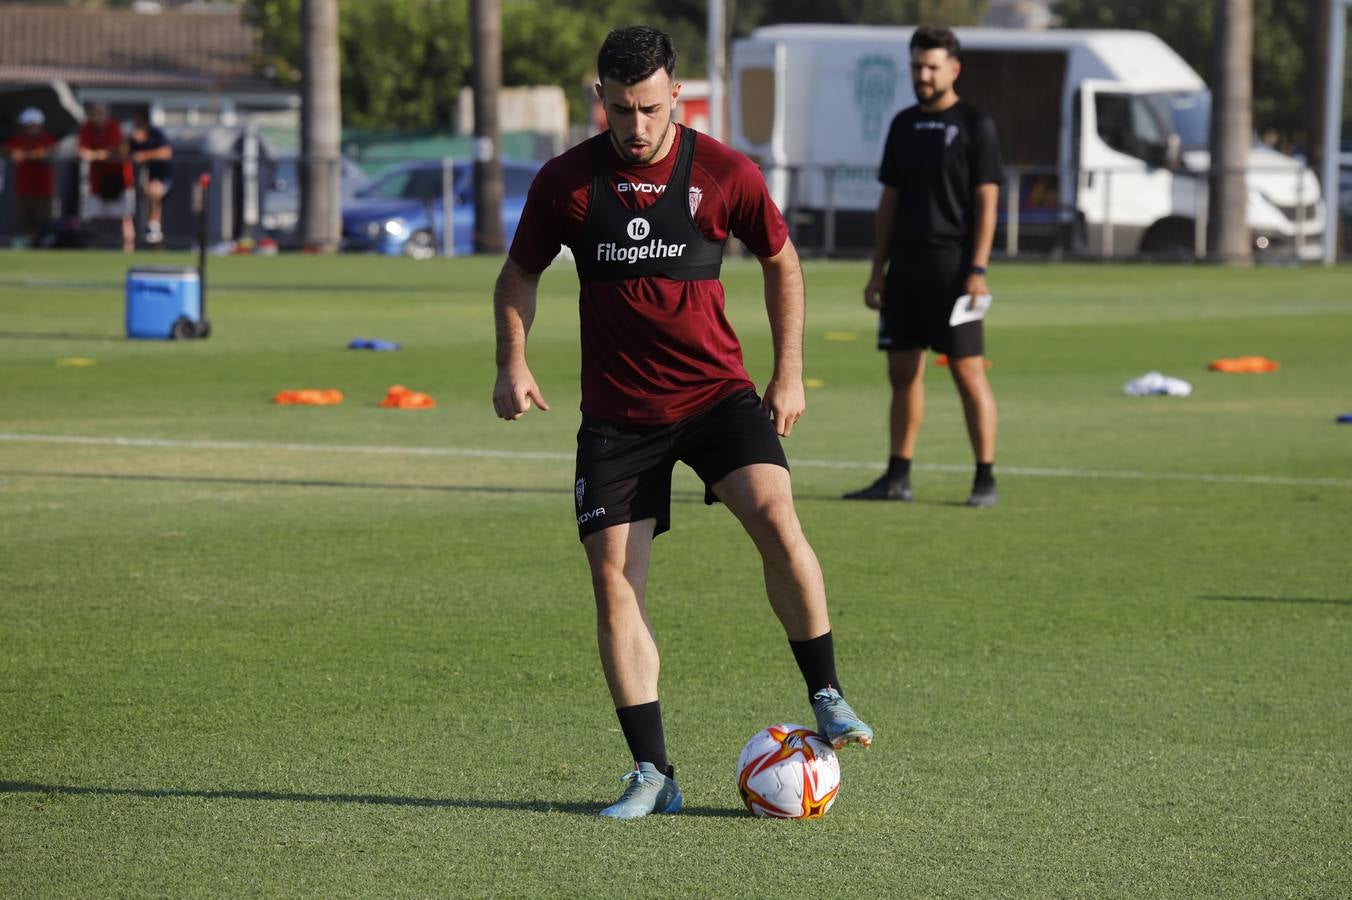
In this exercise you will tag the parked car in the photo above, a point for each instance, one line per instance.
(281, 192)
(401, 211)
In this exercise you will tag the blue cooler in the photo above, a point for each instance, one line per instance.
(164, 302)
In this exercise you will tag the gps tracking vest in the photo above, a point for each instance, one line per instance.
(618, 244)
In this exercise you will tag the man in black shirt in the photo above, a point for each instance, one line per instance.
(941, 178)
(150, 150)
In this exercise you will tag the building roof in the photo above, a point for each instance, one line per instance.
(188, 48)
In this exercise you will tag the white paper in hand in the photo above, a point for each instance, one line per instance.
(964, 310)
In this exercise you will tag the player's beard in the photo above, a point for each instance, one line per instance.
(647, 158)
(934, 99)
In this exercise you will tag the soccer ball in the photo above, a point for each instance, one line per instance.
(788, 772)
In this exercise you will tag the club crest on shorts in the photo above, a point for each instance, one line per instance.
(579, 490)
(638, 228)
(696, 195)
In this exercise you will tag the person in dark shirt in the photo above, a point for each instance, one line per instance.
(148, 148)
(941, 177)
(646, 207)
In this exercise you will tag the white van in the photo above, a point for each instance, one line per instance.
(1104, 136)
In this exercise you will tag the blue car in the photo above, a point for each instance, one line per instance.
(401, 211)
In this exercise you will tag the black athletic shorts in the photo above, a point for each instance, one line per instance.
(624, 471)
(918, 298)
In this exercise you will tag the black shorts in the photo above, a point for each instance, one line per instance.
(624, 471)
(918, 298)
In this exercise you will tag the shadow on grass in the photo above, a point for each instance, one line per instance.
(578, 809)
(242, 287)
(1263, 598)
(284, 482)
(58, 336)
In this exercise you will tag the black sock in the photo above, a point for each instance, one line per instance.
(642, 727)
(817, 661)
(898, 467)
(985, 473)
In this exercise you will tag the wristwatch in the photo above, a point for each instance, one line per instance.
(978, 270)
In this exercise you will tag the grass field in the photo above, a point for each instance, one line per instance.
(251, 649)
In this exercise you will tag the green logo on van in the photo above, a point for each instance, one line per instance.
(875, 89)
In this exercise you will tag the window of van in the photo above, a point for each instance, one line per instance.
(1130, 124)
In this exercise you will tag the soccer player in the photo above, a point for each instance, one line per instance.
(941, 178)
(646, 208)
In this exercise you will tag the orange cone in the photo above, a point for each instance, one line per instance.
(309, 397)
(400, 397)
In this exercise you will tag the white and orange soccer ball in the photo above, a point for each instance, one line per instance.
(788, 772)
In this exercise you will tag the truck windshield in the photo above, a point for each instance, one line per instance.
(1185, 113)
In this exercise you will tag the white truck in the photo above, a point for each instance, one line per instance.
(1104, 136)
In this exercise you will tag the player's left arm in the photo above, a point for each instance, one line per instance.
(786, 305)
(985, 200)
(987, 171)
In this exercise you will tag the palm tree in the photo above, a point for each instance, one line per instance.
(486, 21)
(320, 127)
(1231, 127)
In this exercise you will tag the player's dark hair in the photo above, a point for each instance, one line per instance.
(936, 37)
(630, 55)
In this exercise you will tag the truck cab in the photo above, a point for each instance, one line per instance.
(1104, 136)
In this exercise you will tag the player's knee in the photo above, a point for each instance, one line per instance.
(773, 524)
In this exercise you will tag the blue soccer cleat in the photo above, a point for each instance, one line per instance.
(837, 722)
(647, 791)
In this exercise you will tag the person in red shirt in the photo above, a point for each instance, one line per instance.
(109, 193)
(645, 208)
(34, 179)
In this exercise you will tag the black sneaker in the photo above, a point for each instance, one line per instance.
(983, 495)
(884, 489)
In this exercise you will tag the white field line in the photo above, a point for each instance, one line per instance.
(386, 450)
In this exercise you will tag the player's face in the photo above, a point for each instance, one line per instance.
(933, 72)
(639, 116)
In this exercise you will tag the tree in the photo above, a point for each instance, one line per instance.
(1283, 60)
(1231, 127)
(403, 61)
(749, 14)
(486, 16)
(321, 126)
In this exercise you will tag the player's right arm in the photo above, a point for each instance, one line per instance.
(513, 312)
(882, 247)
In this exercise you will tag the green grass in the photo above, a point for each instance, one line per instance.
(244, 656)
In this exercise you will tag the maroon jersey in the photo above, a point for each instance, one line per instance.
(655, 349)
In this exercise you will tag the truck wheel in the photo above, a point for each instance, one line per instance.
(1169, 239)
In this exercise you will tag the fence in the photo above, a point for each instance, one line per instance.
(1050, 212)
(1043, 212)
(249, 196)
